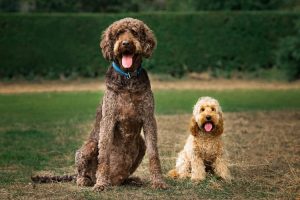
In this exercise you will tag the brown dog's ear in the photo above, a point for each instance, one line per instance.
(194, 128)
(149, 42)
(107, 44)
(220, 126)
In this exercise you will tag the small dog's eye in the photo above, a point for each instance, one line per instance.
(213, 109)
(202, 109)
(120, 32)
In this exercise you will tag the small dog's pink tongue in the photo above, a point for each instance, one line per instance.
(127, 61)
(208, 127)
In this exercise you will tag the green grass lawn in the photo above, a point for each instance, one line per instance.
(41, 131)
(45, 108)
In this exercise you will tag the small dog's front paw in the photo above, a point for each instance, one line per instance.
(184, 175)
(227, 177)
(100, 187)
(159, 184)
(197, 179)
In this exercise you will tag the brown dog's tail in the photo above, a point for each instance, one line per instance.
(173, 173)
(53, 179)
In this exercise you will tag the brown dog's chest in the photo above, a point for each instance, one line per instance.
(129, 112)
(129, 107)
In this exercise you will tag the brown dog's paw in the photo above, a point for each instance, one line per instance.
(84, 181)
(160, 184)
(134, 181)
(100, 187)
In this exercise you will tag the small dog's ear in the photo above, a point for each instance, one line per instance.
(107, 44)
(194, 128)
(220, 126)
(149, 43)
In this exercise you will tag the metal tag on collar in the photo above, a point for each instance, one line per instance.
(128, 75)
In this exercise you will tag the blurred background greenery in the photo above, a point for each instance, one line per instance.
(55, 39)
(143, 6)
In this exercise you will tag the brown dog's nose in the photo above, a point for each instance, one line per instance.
(125, 43)
(208, 117)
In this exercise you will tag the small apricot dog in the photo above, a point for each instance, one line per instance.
(203, 150)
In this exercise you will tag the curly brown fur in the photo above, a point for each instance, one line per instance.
(116, 147)
(140, 32)
(204, 149)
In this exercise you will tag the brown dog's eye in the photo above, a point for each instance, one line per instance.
(134, 32)
(202, 109)
(213, 109)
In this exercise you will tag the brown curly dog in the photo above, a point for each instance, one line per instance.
(204, 148)
(115, 147)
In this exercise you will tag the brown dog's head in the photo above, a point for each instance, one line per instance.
(127, 41)
(207, 117)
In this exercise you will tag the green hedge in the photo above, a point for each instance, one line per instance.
(288, 55)
(53, 45)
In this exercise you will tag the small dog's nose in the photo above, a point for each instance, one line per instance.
(125, 43)
(208, 117)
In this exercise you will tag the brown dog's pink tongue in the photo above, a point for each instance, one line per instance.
(208, 127)
(127, 61)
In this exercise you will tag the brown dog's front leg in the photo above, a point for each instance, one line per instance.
(150, 132)
(105, 142)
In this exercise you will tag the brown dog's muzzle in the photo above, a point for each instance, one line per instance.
(127, 49)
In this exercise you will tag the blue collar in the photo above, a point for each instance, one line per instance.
(128, 75)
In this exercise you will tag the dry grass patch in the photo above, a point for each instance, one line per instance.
(157, 83)
(265, 162)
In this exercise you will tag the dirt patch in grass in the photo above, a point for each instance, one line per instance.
(265, 162)
(157, 84)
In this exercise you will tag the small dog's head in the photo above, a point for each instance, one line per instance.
(127, 41)
(207, 117)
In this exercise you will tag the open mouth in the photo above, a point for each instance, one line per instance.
(127, 60)
(208, 127)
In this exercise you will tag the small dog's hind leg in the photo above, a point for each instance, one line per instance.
(183, 165)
